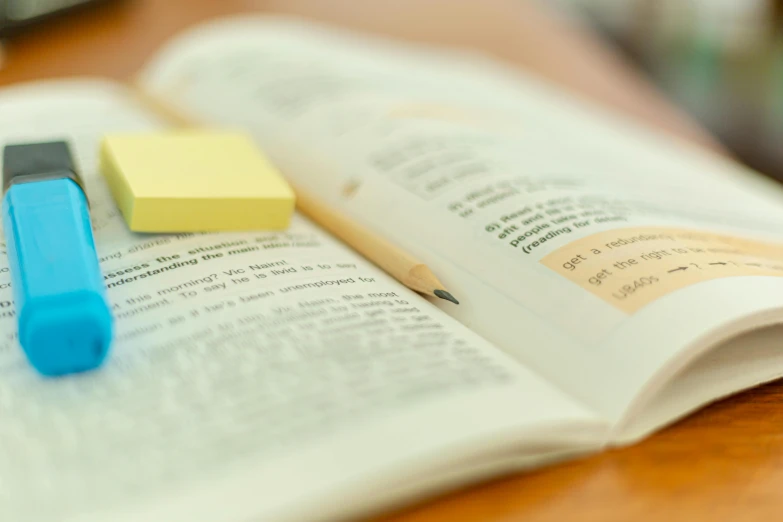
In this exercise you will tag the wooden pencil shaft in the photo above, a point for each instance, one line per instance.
(391, 259)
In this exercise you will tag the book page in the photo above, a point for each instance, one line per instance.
(603, 256)
(275, 362)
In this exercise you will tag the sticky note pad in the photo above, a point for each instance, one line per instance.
(195, 181)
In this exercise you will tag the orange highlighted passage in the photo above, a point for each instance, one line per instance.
(629, 268)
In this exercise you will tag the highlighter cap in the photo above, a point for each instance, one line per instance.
(29, 162)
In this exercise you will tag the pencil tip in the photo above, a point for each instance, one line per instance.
(445, 295)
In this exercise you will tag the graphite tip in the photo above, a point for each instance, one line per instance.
(445, 295)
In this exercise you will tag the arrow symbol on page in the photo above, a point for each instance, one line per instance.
(678, 269)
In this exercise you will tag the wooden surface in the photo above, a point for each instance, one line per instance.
(723, 463)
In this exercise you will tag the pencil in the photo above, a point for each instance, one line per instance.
(402, 266)
(399, 264)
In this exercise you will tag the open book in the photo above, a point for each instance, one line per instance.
(611, 281)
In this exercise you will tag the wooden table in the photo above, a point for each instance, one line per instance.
(724, 463)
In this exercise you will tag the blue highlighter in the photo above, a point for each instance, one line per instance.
(65, 322)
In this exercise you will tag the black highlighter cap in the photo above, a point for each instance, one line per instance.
(38, 162)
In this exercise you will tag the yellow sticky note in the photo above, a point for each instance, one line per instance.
(195, 181)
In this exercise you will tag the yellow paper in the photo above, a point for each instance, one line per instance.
(195, 181)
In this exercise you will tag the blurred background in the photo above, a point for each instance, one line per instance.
(721, 60)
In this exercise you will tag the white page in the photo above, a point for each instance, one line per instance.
(448, 158)
(280, 363)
